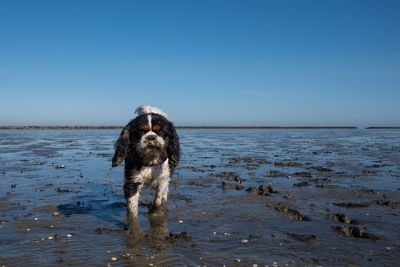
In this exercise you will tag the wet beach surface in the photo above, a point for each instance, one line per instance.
(239, 197)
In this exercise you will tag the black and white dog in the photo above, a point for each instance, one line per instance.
(150, 147)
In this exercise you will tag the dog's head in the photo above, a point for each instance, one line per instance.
(150, 138)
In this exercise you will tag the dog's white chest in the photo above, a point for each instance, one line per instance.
(154, 174)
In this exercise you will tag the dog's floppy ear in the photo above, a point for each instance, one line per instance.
(121, 147)
(173, 149)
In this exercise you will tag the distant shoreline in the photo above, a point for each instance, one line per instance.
(382, 127)
(33, 127)
(266, 127)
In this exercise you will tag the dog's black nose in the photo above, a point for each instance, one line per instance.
(152, 137)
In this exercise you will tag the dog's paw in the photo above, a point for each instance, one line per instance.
(162, 209)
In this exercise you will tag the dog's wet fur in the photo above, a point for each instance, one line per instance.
(150, 147)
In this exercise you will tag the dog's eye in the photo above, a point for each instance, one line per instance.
(156, 128)
(145, 128)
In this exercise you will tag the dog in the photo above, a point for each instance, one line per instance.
(150, 147)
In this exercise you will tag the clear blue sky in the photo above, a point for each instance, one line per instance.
(203, 62)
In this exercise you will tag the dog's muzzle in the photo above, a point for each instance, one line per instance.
(152, 142)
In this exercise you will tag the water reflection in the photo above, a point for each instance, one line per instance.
(144, 245)
(157, 231)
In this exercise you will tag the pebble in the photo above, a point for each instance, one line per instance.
(245, 241)
(50, 238)
(69, 235)
(238, 260)
(55, 213)
(113, 258)
(180, 221)
(35, 219)
(288, 177)
(28, 230)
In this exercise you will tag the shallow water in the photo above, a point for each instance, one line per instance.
(69, 172)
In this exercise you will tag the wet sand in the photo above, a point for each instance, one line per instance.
(239, 198)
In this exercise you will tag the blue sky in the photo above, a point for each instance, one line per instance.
(281, 62)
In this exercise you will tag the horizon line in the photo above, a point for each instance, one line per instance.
(90, 127)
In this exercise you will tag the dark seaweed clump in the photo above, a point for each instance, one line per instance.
(356, 232)
(341, 217)
(293, 214)
(262, 190)
(303, 237)
(231, 186)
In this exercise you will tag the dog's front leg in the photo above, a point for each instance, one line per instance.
(132, 193)
(160, 201)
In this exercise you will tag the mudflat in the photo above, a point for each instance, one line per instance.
(277, 197)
